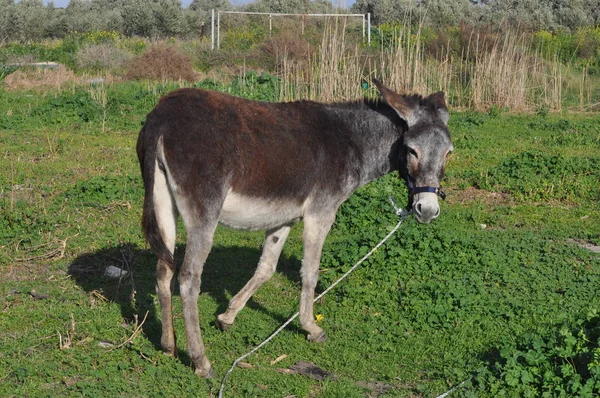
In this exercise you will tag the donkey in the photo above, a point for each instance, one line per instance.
(211, 157)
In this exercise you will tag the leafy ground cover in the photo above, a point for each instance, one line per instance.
(499, 291)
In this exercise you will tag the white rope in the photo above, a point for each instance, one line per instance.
(450, 391)
(400, 212)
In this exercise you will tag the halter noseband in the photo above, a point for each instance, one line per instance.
(412, 190)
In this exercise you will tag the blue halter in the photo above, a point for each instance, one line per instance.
(412, 190)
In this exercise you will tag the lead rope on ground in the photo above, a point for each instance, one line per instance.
(450, 391)
(400, 212)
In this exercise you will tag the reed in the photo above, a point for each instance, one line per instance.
(332, 73)
(508, 74)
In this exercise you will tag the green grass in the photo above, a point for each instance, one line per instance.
(436, 305)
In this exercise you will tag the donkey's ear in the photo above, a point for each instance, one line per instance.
(403, 107)
(438, 100)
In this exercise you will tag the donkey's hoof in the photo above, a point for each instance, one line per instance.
(206, 375)
(224, 326)
(170, 351)
(319, 338)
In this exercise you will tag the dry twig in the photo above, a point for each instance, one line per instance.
(58, 252)
(136, 331)
(67, 341)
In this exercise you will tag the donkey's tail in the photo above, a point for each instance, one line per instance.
(147, 145)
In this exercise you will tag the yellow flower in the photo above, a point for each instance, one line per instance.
(319, 318)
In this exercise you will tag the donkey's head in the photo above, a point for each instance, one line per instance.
(424, 148)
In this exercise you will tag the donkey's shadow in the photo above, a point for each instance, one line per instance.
(226, 271)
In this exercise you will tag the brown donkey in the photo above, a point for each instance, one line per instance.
(211, 157)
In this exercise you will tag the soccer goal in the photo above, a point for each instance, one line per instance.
(216, 22)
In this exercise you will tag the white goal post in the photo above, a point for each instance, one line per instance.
(366, 22)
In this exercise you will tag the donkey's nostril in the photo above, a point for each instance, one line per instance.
(418, 208)
(437, 213)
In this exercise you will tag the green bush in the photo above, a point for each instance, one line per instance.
(6, 70)
(35, 52)
(582, 46)
(566, 364)
(263, 87)
(68, 107)
(243, 38)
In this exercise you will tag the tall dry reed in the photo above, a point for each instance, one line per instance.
(509, 74)
(333, 73)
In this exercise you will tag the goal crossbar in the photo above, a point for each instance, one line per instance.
(281, 14)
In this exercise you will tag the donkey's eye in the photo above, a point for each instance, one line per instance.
(412, 152)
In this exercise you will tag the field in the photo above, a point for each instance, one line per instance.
(501, 291)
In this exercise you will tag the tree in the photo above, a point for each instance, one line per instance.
(386, 11)
(78, 16)
(56, 24)
(199, 14)
(572, 14)
(32, 19)
(592, 8)
(440, 13)
(321, 7)
(207, 5)
(290, 6)
(10, 23)
(169, 18)
(520, 14)
(109, 14)
(138, 18)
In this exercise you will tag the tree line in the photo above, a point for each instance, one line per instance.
(532, 15)
(31, 20)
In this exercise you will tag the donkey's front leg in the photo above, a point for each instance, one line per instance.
(199, 243)
(274, 241)
(316, 228)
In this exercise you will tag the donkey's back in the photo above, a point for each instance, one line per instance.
(275, 150)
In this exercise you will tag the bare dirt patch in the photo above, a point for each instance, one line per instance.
(585, 245)
(375, 388)
(26, 271)
(35, 78)
(60, 78)
(471, 194)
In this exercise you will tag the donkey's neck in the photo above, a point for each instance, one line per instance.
(376, 137)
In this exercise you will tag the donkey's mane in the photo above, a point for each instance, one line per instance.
(366, 102)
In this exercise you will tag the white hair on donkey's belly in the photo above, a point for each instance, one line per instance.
(251, 213)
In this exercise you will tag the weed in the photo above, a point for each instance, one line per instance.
(5, 71)
(102, 57)
(103, 190)
(535, 175)
(69, 107)
(564, 364)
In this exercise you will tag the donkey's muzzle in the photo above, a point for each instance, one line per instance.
(426, 207)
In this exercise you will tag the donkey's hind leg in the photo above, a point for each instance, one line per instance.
(199, 242)
(274, 241)
(166, 217)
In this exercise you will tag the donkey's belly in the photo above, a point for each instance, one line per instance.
(247, 212)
